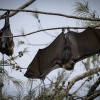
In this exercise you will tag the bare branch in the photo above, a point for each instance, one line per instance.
(81, 76)
(22, 7)
(93, 87)
(51, 13)
(46, 30)
(49, 29)
(93, 96)
(80, 87)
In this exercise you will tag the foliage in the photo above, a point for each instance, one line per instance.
(84, 10)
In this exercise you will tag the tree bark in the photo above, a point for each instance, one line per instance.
(81, 76)
(22, 7)
(93, 96)
(93, 87)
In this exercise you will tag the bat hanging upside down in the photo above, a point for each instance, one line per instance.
(6, 43)
(64, 52)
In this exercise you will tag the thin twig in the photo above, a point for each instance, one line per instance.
(79, 87)
(38, 44)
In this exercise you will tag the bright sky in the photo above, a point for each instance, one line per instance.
(30, 24)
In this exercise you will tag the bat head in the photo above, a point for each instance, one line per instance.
(69, 65)
(9, 46)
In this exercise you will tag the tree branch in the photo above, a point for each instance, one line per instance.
(51, 13)
(93, 96)
(49, 29)
(81, 76)
(45, 30)
(93, 87)
(22, 7)
(79, 87)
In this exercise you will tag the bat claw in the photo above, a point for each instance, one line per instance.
(72, 62)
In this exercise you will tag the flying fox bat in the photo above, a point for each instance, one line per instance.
(64, 52)
(6, 43)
